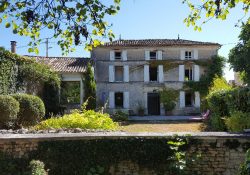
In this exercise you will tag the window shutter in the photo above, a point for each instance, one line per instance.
(111, 73)
(126, 100)
(181, 72)
(147, 55)
(126, 73)
(112, 55)
(160, 73)
(182, 99)
(196, 54)
(111, 100)
(182, 54)
(146, 73)
(124, 55)
(196, 73)
(159, 55)
(197, 99)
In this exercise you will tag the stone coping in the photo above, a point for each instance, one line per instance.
(120, 135)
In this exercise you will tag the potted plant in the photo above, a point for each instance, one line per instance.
(140, 109)
(168, 98)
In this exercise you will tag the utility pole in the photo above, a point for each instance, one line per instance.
(47, 47)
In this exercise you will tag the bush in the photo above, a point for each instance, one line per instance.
(238, 121)
(119, 116)
(216, 123)
(9, 108)
(86, 120)
(37, 168)
(32, 109)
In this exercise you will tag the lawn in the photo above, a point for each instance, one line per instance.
(166, 126)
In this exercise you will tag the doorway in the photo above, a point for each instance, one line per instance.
(153, 104)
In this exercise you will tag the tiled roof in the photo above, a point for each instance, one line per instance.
(64, 64)
(157, 42)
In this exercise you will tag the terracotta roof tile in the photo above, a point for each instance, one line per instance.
(65, 64)
(157, 42)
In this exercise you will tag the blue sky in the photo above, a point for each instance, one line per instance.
(140, 19)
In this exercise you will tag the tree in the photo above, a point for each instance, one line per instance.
(218, 9)
(218, 84)
(71, 21)
(89, 88)
(240, 54)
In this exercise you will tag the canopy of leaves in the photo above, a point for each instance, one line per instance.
(240, 54)
(218, 9)
(219, 84)
(71, 21)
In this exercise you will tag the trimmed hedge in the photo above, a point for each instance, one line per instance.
(9, 108)
(32, 109)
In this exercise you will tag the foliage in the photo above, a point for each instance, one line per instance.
(239, 55)
(216, 123)
(244, 168)
(69, 21)
(119, 116)
(219, 84)
(238, 121)
(70, 92)
(218, 9)
(168, 97)
(86, 120)
(32, 109)
(9, 109)
(37, 168)
(90, 87)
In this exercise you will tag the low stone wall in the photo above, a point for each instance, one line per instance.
(216, 153)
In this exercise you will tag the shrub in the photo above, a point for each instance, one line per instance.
(216, 123)
(119, 116)
(168, 97)
(238, 121)
(9, 108)
(32, 109)
(37, 168)
(86, 120)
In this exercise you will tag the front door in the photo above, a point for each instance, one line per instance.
(153, 104)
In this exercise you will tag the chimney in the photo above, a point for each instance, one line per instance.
(13, 46)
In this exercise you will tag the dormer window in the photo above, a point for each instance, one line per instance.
(188, 55)
(153, 55)
(118, 55)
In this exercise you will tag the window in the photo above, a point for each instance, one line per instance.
(153, 55)
(118, 55)
(188, 55)
(189, 99)
(118, 73)
(153, 73)
(119, 100)
(188, 74)
(70, 92)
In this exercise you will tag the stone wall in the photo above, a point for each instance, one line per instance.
(215, 153)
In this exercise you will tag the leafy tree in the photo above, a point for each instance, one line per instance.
(240, 54)
(218, 84)
(90, 88)
(71, 21)
(218, 9)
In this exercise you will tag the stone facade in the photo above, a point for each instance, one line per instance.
(136, 84)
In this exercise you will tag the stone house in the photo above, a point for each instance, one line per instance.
(130, 73)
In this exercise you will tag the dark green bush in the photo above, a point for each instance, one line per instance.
(238, 121)
(119, 116)
(32, 109)
(9, 109)
(37, 168)
(216, 123)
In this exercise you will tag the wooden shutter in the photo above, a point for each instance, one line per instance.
(195, 54)
(182, 54)
(112, 55)
(111, 73)
(124, 55)
(160, 73)
(146, 73)
(126, 73)
(181, 72)
(182, 99)
(126, 100)
(197, 99)
(159, 55)
(147, 55)
(196, 73)
(111, 100)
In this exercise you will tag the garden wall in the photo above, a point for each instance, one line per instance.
(125, 154)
